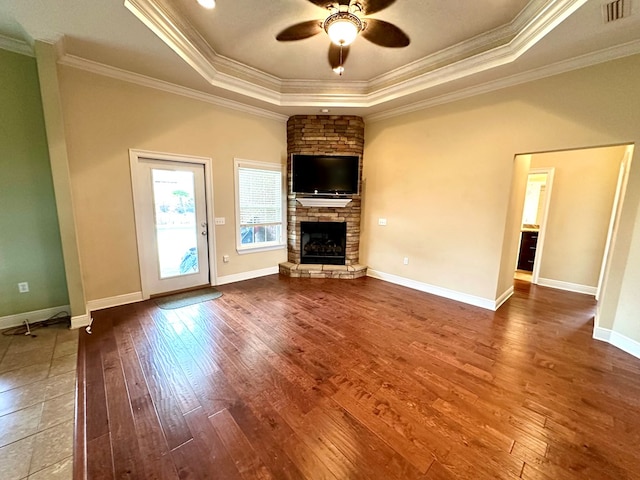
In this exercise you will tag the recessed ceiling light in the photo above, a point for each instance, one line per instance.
(324, 110)
(208, 4)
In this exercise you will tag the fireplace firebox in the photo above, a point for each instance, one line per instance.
(323, 242)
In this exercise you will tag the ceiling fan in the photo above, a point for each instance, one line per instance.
(345, 22)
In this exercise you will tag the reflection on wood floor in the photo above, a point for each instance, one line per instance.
(522, 275)
(360, 379)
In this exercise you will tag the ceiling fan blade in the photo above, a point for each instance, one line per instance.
(334, 55)
(373, 6)
(322, 3)
(385, 34)
(332, 3)
(300, 31)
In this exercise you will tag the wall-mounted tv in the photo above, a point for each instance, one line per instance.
(325, 174)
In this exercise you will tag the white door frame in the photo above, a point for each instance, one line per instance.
(616, 210)
(543, 223)
(134, 157)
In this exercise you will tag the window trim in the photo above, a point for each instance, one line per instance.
(259, 165)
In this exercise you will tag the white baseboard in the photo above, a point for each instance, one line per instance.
(239, 277)
(80, 321)
(618, 340)
(602, 334)
(503, 298)
(570, 287)
(93, 305)
(101, 303)
(35, 316)
(434, 290)
(85, 320)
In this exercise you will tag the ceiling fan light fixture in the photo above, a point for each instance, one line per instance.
(339, 70)
(342, 28)
(208, 4)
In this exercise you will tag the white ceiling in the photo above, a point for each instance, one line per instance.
(458, 47)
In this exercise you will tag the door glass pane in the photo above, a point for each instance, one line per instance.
(175, 222)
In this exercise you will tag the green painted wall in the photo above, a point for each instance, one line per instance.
(30, 249)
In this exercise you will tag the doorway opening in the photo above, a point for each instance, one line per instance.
(564, 240)
(534, 214)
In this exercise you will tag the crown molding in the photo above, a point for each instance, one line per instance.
(601, 56)
(318, 100)
(296, 87)
(498, 47)
(194, 50)
(145, 81)
(543, 21)
(164, 25)
(483, 42)
(16, 46)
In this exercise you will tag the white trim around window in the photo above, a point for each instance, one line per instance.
(260, 202)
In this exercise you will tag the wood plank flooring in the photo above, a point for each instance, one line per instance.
(285, 378)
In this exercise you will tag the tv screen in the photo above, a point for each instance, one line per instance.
(325, 174)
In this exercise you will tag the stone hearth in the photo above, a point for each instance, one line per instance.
(324, 135)
(322, 271)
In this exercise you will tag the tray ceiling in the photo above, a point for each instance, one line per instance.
(231, 52)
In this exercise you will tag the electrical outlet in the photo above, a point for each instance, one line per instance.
(382, 221)
(23, 287)
(406, 260)
(225, 258)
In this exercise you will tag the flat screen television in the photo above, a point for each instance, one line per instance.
(325, 174)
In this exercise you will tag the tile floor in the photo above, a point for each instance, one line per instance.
(37, 400)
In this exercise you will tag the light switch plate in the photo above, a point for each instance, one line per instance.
(220, 220)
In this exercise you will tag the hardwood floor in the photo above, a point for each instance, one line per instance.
(325, 379)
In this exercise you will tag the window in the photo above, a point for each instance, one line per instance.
(259, 206)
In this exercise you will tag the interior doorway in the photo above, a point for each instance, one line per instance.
(578, 232)
(172, 221)
(533, 224)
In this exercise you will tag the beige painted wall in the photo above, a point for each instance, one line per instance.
(584, 186)
(627, 318)
(442, 177)
(104, 118)
(513, 228)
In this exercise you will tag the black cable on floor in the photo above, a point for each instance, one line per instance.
(27, 329)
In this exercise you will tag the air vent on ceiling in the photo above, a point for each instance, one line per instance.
(616, 10)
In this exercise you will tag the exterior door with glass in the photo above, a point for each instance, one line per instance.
(171, 224)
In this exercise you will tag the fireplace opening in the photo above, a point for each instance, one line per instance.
(323, 242)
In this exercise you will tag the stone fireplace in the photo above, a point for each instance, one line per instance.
(323, 135)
